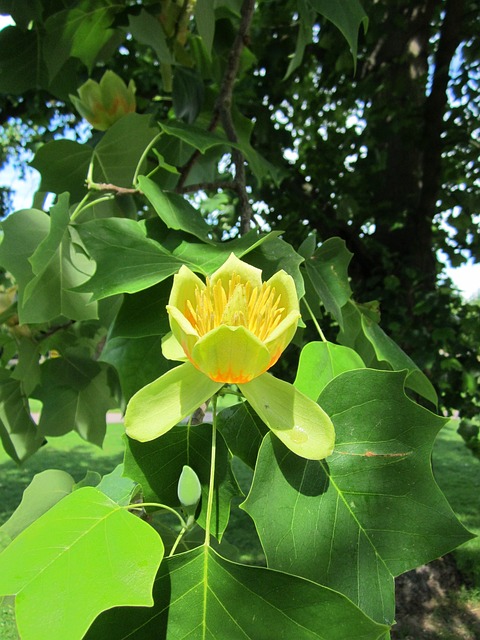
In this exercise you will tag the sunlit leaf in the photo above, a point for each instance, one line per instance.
(80, 558)
(320, 362)
(194, 597)
(369, 512)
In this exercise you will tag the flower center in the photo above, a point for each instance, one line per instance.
(240, 304)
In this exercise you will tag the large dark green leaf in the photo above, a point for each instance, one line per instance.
(63, 165)
(137, 361)
(194, 136)
(143, 313)
(243, 431)
(20, 65)
(369, 512)
(18, 432)
(127, 261)
(276, 254)
(83, 556)
(328, 272)
(76, 395)
(346, 16)
(157, 465)
(188, 94)
(147, 29)
(199, 594)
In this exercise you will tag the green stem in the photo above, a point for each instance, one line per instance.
(140, 505)
(211, 486)
(320, 332)
(79, 208)
(177, 541)
(143, 156)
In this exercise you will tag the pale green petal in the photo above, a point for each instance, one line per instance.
(183, 331)
(172, 349)
(298, 421)
(184, 284)
(163, 403)
(233, 265)
(231, 354)
(285, 286)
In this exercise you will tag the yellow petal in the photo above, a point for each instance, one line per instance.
(184, 284)
(232, 265)
(183, 331)
(296, 420)
(285, 286)
(230, 354)
(281, 336)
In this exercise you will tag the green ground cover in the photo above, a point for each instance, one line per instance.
(456, 470)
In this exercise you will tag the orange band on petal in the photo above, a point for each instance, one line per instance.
(229, 377)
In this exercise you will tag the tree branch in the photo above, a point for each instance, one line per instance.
(223, 113)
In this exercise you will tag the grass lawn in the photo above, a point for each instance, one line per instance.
(456, 470)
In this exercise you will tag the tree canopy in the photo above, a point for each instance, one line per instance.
(362, 127)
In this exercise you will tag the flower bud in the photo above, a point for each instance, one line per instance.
(189, 489)
(103, 103)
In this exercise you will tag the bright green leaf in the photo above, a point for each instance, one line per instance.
(85, 555)
(320, 362)
(194, 136)
(199, 594)
(372, 510)
(45, 490)
(118, 488)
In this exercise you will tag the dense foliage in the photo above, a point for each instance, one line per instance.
(325, 154)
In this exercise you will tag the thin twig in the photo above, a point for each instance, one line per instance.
(119, 191)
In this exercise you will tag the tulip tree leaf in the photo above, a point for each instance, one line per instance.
(328, 273)
(195, 136)
(57, 268)
(120, 150)
(63, 165)
(372, 510)
(193, 599)
(174, 210)
(80, 558)
(347, 18)
(276, 254)
(243, 431)
(138, 361)
(76, 394)
(143, 313)
(117, 487)
(18, 432)
(45, 490)
(157, 465)
(207, 258)
(363, 333)
(320, 362)
(127, 261)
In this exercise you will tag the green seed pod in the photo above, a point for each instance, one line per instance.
(189, 489)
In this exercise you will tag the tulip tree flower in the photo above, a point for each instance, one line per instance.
(232, 329)
(103, 103)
